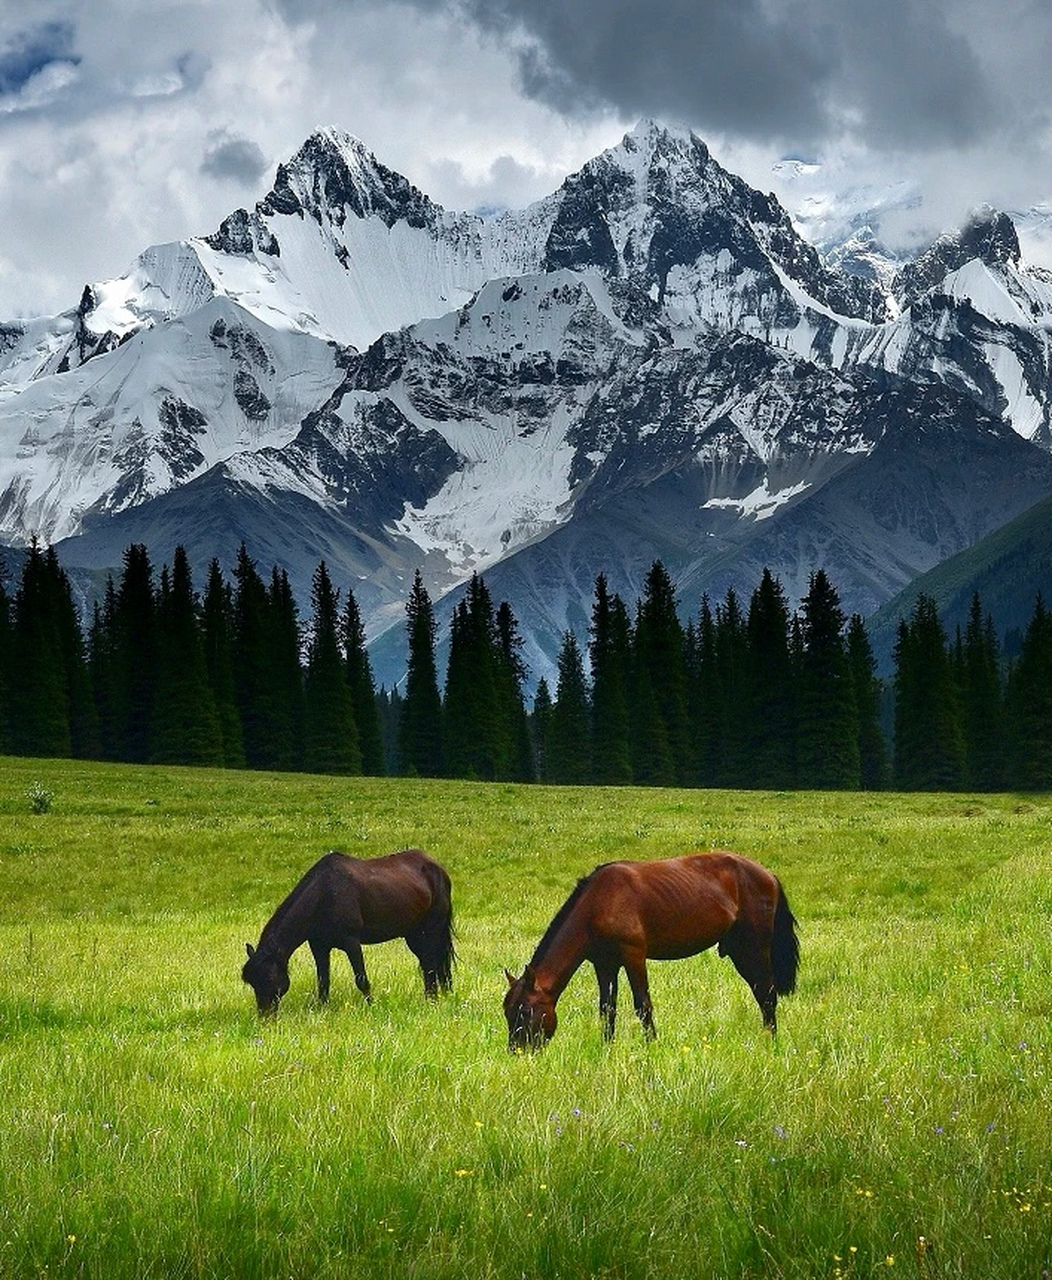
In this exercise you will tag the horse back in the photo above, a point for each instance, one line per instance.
(382, 898)
(670, 908)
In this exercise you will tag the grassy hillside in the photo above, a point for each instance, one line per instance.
(1008, 568)
(154, 1127)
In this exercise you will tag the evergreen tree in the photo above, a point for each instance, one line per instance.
(285, 647)
(539, 721)
(83, 718)
(7, 674)
(982, 709)
(660, 684)
(254, 679)
(389, 711)
(217, 622)
(103, 661)
(731, 681)
(420, 736)
(330, 733)
(872, 749)
(1029, 698)
(185, 728)
(363, 690)
(610, 657)
(768, 703)
(135, 656)
(39, 695)
(929, 745)
(477, 740)
(511, 677)
(567, 747)
(827, 724)
(704, 703)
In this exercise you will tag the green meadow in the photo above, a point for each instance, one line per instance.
(152, 1126)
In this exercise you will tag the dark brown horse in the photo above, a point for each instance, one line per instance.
(343, 903)
(625, 913)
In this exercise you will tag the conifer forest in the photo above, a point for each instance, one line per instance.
(744, 693)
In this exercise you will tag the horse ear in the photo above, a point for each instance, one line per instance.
(530, 977)
(250, 949)
(511, 977)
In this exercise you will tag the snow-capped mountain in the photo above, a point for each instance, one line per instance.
(649, 362)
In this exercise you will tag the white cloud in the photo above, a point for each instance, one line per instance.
(126, 124)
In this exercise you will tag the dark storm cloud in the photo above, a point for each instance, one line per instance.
(896, 73)
(235, 159)
(29, 52)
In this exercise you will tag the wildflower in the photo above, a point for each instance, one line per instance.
(464, 1173)
(889, 1261)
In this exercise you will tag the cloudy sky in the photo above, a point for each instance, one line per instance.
(124, 123)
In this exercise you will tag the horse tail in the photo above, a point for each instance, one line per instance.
(445, 930)
(785, 946)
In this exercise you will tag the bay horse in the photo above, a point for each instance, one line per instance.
(625, 913)
(344, 903)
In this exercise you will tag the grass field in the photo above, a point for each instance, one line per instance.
(153, 1127)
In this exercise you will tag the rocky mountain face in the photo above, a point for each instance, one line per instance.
(650, 362)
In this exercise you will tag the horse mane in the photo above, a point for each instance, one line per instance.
(285, 907)
(560, 916)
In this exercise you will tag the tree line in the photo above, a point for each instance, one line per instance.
(743, 694)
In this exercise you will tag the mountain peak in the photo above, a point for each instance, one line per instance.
(989, 237)
(333, 173)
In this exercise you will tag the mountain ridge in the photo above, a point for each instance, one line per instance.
(397, 387)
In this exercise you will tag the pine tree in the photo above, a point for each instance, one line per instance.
(217, 623)
(982, 704)
(285, 645)
(872, 749)
(610, 657)
(568, 744)
(420, 735)
(135, 655)
(39, 695)
(477, 739)
(363, 690)
(389, 711)
(185, 728)
(731, 678)
(827, 724)
(511, 676)
(660, 685)
(1029, 699)
(929, 744)
(103, 661)
(7, 674)
(769, 703)
(253, 664)
(704, 704)
(330, 734)
(83, 718)
(540, 718)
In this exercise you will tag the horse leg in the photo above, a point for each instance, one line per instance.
(606, 975)
(752, 959)
(361, 979)
(425, 943)
(417, 944)
(321, 962)
(635, 962)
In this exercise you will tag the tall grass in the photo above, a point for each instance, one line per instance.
(153, 1127)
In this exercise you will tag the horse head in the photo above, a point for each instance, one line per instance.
(529, 1011)
(268, 976)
